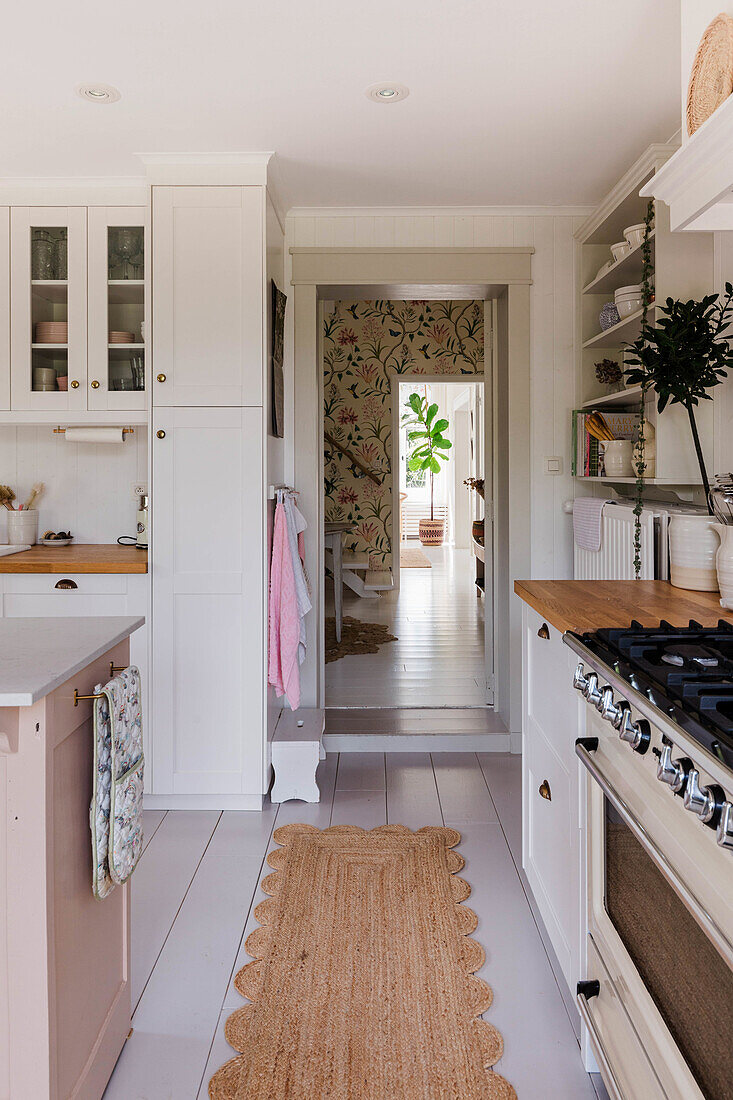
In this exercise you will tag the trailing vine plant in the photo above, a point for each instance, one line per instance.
(647, 293)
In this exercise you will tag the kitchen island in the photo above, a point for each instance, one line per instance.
(64, 955)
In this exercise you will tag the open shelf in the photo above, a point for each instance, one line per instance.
(629, 396)
(126, 292)
(623, 272)
(51, 290)
(625, 332)
(632, 480)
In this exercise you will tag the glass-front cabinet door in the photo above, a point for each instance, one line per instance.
(118, 243)
(48, 303)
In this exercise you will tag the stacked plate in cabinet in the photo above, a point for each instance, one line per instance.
(121, 337)
(52, 332)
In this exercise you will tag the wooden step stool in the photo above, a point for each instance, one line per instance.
(297, 748)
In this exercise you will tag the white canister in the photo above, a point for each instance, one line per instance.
(23, 527)
(724, 564)
(617, 458)
(693, 546)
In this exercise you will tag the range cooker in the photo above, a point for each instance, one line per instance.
(658, 755)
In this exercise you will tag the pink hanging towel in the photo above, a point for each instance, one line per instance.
(284, 668)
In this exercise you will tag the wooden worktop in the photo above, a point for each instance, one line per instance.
(78, 558)
(590, 605)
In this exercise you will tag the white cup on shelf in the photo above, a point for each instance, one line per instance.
(23, 527)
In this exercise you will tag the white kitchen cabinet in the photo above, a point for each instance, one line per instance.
(550, 787)
(208, 607)
(208, 259)
(118, 253)
(83, 267)
(4, 308)
(48, 285)
(53, 595)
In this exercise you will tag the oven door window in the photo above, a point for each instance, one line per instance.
(688, 980)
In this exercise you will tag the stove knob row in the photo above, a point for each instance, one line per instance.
(591, 690)
(672, 772)
(724, 833)
(637, 734)
(706, 802)
(579, 680)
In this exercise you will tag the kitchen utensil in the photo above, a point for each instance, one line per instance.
(43, 254)
(7, 496)
(600, 429)
(619, 250)
(23, 527)
(33, 495)
(721, 497)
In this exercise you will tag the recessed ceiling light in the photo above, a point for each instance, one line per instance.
(98, 93)
(386, 92)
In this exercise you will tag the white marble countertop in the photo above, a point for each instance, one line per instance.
(37, 655)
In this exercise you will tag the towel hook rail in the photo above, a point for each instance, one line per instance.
(273, 490)
(94, 695)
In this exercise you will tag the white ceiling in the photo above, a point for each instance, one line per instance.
(512, 103)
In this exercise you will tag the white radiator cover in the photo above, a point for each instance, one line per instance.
(615, 559)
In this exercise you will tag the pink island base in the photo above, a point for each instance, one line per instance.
(64, 955)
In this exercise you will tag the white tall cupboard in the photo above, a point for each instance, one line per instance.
(208, 500)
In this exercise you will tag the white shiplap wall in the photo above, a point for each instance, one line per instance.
(552, 311)
(89, 486)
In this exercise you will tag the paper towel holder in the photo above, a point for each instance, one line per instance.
(125, 431)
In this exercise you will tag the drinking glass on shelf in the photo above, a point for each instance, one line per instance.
(43, 254)
(62, 253)
(127, 245)
(138, 265)
(137, 364)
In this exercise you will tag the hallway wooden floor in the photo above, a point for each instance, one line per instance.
(195, 887)
(438, 658)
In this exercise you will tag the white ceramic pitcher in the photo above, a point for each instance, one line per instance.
(724, 564)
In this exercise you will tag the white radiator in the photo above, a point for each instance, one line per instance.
(615, 559)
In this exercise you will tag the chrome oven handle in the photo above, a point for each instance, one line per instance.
(586, 990)
(583, 749)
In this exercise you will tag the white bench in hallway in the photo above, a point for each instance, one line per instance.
(297, 748)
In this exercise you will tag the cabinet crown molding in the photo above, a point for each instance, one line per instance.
(207, 168)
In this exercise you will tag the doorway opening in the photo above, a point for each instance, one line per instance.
(415, 614)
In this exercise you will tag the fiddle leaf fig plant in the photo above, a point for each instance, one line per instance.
(425, 436)
(684, 355)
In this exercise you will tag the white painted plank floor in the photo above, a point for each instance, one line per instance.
(197, 883)
(438, 658)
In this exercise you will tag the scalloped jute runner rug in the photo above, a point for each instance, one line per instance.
(363, 982)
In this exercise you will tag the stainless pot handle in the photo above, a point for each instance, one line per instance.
(583, 749)
(585, 990)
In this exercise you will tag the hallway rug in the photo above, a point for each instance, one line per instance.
(363, 982)
(356, 637)
(413, 558)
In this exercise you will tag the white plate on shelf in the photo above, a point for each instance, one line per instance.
(57, 542)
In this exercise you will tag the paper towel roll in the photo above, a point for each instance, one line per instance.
(94, 435)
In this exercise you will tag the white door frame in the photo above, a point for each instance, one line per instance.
(482, 378)
(502, 275)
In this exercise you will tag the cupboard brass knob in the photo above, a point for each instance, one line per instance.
(161, 378)
(95, 384)
(545, 790)
(75, 385)
(544, 632)
(160, 433)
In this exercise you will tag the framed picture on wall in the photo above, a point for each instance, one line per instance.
(279, 302)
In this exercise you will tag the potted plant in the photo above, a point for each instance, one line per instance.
(427, 447)
(683, 356)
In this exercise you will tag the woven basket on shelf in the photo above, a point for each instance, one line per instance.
(711, 79)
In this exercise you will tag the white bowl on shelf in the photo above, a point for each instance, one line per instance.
(627, 306)
(619, 250)
(635, 235)
(632, 291)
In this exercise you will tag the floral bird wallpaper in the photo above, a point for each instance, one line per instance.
(364, 345)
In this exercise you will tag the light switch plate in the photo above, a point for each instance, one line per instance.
(553, 465)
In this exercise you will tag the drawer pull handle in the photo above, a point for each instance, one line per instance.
(66, 583)
(544, 632)
(545, 790)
